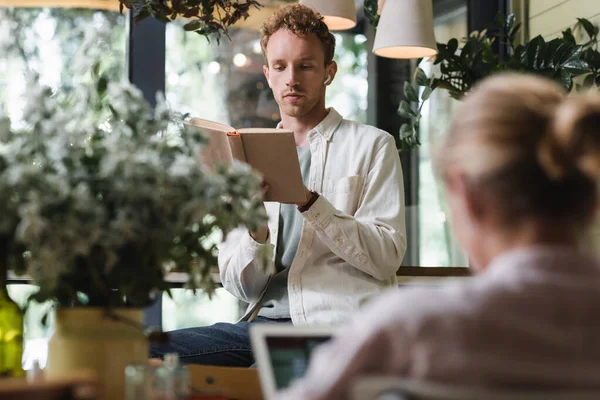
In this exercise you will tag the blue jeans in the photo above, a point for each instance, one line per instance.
(220, 344)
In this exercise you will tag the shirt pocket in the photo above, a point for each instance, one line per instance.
(343, 193)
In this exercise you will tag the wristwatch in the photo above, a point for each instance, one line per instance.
(314, 196)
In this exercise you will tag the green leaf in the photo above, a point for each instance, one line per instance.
(426, 93)
(408, 137)
(513, 32)
(113, 111)
(568, 36)
(370, 9)
(96, 69)
(406, 131)
(590, 29)
(192, 26)
(162, 18)
(410, 93)
(467, 49)
(405, 110)
(561, 54)
(535, 52)
(192, 12)
(576, 67)
(101, 85)
(141, 14)
(573, 53)
(421, 77)
(592, 57)
(510, 21)
(566, 80)
(452, 46)
(442, 53)
(44, 319)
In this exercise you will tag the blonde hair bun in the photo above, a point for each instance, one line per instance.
(528, 149)
(575, 129)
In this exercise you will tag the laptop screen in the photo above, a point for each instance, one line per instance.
(289, 356)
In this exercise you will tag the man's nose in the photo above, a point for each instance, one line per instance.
(291, 79)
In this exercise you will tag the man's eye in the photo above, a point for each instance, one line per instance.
(278, 68)
(306, 67)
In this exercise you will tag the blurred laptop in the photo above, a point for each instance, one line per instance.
(282, 352)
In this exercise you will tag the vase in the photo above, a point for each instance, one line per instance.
(87, 339)
(11, 333)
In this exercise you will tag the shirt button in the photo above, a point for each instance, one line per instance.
(340, 242)
(317, 215)
(273, 232)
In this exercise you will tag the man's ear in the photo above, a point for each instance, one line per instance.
(330, 72)
(266, 72)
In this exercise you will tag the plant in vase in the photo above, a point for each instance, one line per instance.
(101, 195)
(11, 328)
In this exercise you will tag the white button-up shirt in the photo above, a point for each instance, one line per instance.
(532, 319)
(353, 237)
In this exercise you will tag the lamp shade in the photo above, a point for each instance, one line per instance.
(111, 5)
(405, 30)
(338, 14)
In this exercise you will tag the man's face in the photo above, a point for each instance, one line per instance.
(296, 72)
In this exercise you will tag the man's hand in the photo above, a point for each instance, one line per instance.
(308, 195)
(262, 234)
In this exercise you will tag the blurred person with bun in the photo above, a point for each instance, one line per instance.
(520, 165)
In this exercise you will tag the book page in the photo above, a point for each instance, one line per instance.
(204, 123)
(261, 130)
(217, 151)
(236, 146)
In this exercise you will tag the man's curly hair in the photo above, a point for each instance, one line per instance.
(301, 21)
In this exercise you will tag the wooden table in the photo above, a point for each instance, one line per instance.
(80, 386)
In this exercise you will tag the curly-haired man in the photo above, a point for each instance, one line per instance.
(334, 251)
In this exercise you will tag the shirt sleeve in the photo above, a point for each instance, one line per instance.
(374, 239)
(244, 265)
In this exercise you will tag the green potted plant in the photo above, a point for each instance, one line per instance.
(461, 67)
(101, 195)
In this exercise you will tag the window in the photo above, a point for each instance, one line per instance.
(224, 82)
(44, 40)
(437, 245)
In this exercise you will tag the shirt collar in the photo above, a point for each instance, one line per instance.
(548, 257)
(328, 126)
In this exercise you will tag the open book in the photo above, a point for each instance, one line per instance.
(272, 152)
